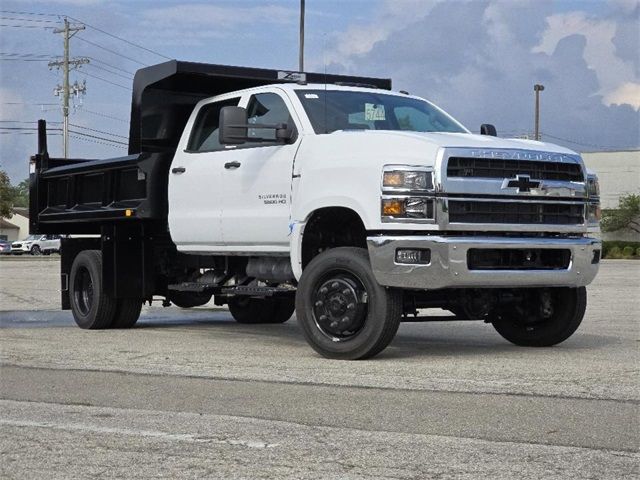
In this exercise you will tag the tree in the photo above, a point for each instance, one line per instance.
(626, 216)
(7, 195)
(22, 194)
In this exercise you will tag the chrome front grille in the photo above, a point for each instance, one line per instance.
(515, 212)
(509, 168)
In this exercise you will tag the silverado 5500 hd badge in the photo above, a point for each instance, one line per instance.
(273, 198)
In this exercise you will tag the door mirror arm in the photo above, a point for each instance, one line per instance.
(234, 128)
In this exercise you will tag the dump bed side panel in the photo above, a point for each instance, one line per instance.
(78, 196)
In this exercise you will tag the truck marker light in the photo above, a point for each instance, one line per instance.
(392, 207)
(393, 179)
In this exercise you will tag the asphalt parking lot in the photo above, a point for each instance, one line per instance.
(192, 394)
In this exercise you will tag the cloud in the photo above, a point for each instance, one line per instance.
(599, 53)
(628, 93)
(480, 59)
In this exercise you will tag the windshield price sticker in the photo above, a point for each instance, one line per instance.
(373, 112)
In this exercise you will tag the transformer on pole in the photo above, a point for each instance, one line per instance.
(66, 89)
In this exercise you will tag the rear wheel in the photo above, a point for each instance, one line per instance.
(344, 313)
(91, 307)
(261, 310)
(127, 313)
(545, 316)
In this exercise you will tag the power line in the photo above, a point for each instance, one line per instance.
(103, 115)
(110, 51)
(123, 39)
(104, 80)
(109, 71)
(24, 26)
(13, 12)
(98, 137)
(111, 66)
(28, 20)
(586, 144)
(97, 141)
(97, 131)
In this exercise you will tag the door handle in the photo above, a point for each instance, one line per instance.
(178, 170)
(231, 165)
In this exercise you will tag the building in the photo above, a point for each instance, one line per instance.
(619, 174)
(16, 227)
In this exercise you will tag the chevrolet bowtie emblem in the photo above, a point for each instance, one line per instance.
(522, 182)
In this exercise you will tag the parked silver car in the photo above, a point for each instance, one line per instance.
(37, 245)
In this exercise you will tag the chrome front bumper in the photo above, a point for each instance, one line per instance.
(448, 266)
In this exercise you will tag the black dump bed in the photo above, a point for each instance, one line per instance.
(80, 195)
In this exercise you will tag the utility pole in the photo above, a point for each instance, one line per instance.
(301, 53)
(537, 88)
(66, 89)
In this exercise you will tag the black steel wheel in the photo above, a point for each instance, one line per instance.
(344, 313)
(91, 307)
(35, 250)
(261, 310)
(544, 317)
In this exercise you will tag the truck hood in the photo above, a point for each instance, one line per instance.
(463, 140)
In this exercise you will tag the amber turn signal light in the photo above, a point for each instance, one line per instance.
(392, 207)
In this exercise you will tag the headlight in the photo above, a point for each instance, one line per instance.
(594, 214)
(418, 208)
(593, 186)
(408, 178)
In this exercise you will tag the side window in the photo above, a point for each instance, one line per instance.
(267, 108)
(204, 137)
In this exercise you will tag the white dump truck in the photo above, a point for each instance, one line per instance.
(353, 205)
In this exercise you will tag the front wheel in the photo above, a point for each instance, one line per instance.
(544, 317)
(35, 250)
(344, 313)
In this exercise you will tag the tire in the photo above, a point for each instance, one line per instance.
(189, 299)
(35, 250)
(127, 313)
(92, 309)
(334, 281)
(261, 310)
(528, 328)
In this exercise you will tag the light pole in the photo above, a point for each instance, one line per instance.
(537, 88)
(301, 53)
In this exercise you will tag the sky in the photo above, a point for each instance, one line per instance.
(477, 59)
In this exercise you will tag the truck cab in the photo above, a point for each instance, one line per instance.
(354, 205)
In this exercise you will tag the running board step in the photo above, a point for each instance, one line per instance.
(257, 291)
(247, 290)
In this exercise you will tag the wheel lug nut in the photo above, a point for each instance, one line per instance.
(319, 303)
(334, 324)
(346, 291)
(345, 320)
(323, 318)
(335, 285)
(324, 290)
(351, 306)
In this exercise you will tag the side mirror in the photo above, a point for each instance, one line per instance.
(233, 126)
(488, 129)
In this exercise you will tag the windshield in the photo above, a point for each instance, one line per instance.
(331, 110)
(31, 238)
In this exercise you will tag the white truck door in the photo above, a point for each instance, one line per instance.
(195, 183)
(256, 203)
